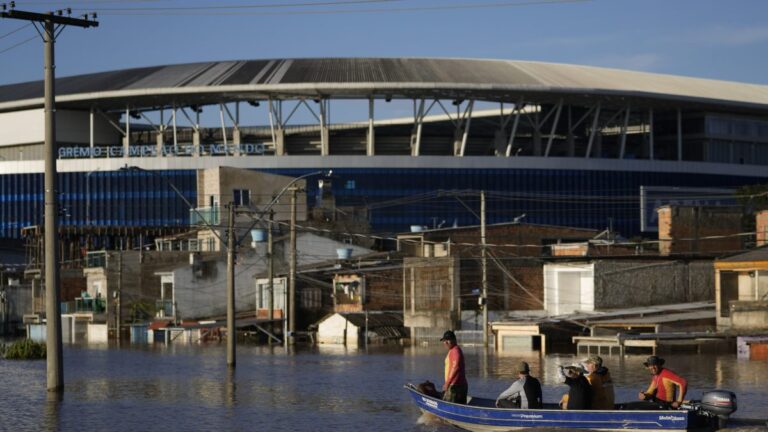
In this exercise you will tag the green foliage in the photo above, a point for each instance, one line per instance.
(142, 310)
(753, 198)
(24, 349)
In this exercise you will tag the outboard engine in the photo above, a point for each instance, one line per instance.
(716, 404)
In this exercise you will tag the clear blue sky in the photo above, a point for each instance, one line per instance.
(722, 39)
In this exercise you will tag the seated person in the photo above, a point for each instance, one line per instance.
(602, 384)
(666, 386)
(524, 393)
(579, 395)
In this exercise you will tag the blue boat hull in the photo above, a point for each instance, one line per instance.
(481, 415)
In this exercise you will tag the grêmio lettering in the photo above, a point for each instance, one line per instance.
(165, 150)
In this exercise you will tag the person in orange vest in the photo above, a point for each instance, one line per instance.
(456, 387)
(666, 386)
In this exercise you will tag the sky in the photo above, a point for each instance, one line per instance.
(720, 39)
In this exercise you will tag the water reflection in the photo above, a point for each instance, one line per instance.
(52, 417)
(325, 388)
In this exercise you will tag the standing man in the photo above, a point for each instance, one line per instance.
(666, 386)
(525, 393)
(455, 387)
(602, 384)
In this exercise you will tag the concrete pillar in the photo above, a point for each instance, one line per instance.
(279, 141)
(665, 230)
(195, 143)
(160, 140)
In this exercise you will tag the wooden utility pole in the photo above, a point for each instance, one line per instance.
(50, 23)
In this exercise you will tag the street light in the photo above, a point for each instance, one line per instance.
(232, 245)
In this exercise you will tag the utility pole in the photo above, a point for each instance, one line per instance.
(118, 314)
(271, 275)
(231, 288)
(50, 24)
(485, 269)
(292, 270)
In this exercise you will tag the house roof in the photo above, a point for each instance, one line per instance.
(759, 254)
(374, 319)
(384, 324)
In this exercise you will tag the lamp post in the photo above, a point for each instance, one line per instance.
(232, 244)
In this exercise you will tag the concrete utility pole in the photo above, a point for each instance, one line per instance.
(292, 271)
(271, 274)
(231, 288)
(485, 269)
(50, 23)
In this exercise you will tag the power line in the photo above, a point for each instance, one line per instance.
(245, 6)
(18, 44)
(14, 31)
(218, 10)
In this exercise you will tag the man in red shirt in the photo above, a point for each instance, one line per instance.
(455, 387)
(666, 386)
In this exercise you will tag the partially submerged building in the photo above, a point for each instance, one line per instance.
(741, 292)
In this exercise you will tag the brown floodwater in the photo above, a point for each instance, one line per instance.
(307, 389)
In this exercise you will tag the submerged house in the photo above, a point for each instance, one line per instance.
(624, 282)
(742, 292)
(359, 328)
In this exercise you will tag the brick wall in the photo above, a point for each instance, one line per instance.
(684, 230)
(761, 227)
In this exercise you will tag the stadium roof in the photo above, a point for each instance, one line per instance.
(492, 80)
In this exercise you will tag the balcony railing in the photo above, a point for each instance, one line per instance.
(164, 308)
(211, 215)
(90, 304)
(96, 259)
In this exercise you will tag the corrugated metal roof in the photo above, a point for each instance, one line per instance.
(375, 319)
(406, 77)
(759, 254)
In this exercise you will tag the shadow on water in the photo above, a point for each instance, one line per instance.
(132, 388)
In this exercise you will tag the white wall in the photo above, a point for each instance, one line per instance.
(21, 127)
(337, 330)
(27, 127)
(569, 288)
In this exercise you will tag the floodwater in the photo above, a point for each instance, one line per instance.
(309, 389)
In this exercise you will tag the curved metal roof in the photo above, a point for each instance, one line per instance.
(493, 80)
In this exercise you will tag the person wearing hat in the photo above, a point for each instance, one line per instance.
(602, 385)
(666, 386)
(579, 396)
(455, 388)
(524, 393)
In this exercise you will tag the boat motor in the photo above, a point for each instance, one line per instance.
(716, 404)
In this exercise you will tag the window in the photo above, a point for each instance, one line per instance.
(241, 197)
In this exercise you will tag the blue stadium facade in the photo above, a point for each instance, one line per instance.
(560, 144)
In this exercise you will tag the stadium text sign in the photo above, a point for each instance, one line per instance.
(165, 150)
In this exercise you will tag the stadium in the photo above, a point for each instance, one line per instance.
(557, 144)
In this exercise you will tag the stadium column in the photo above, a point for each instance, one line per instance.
(127, 137)
(324, 135)
(371, 142)
(276, 125)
